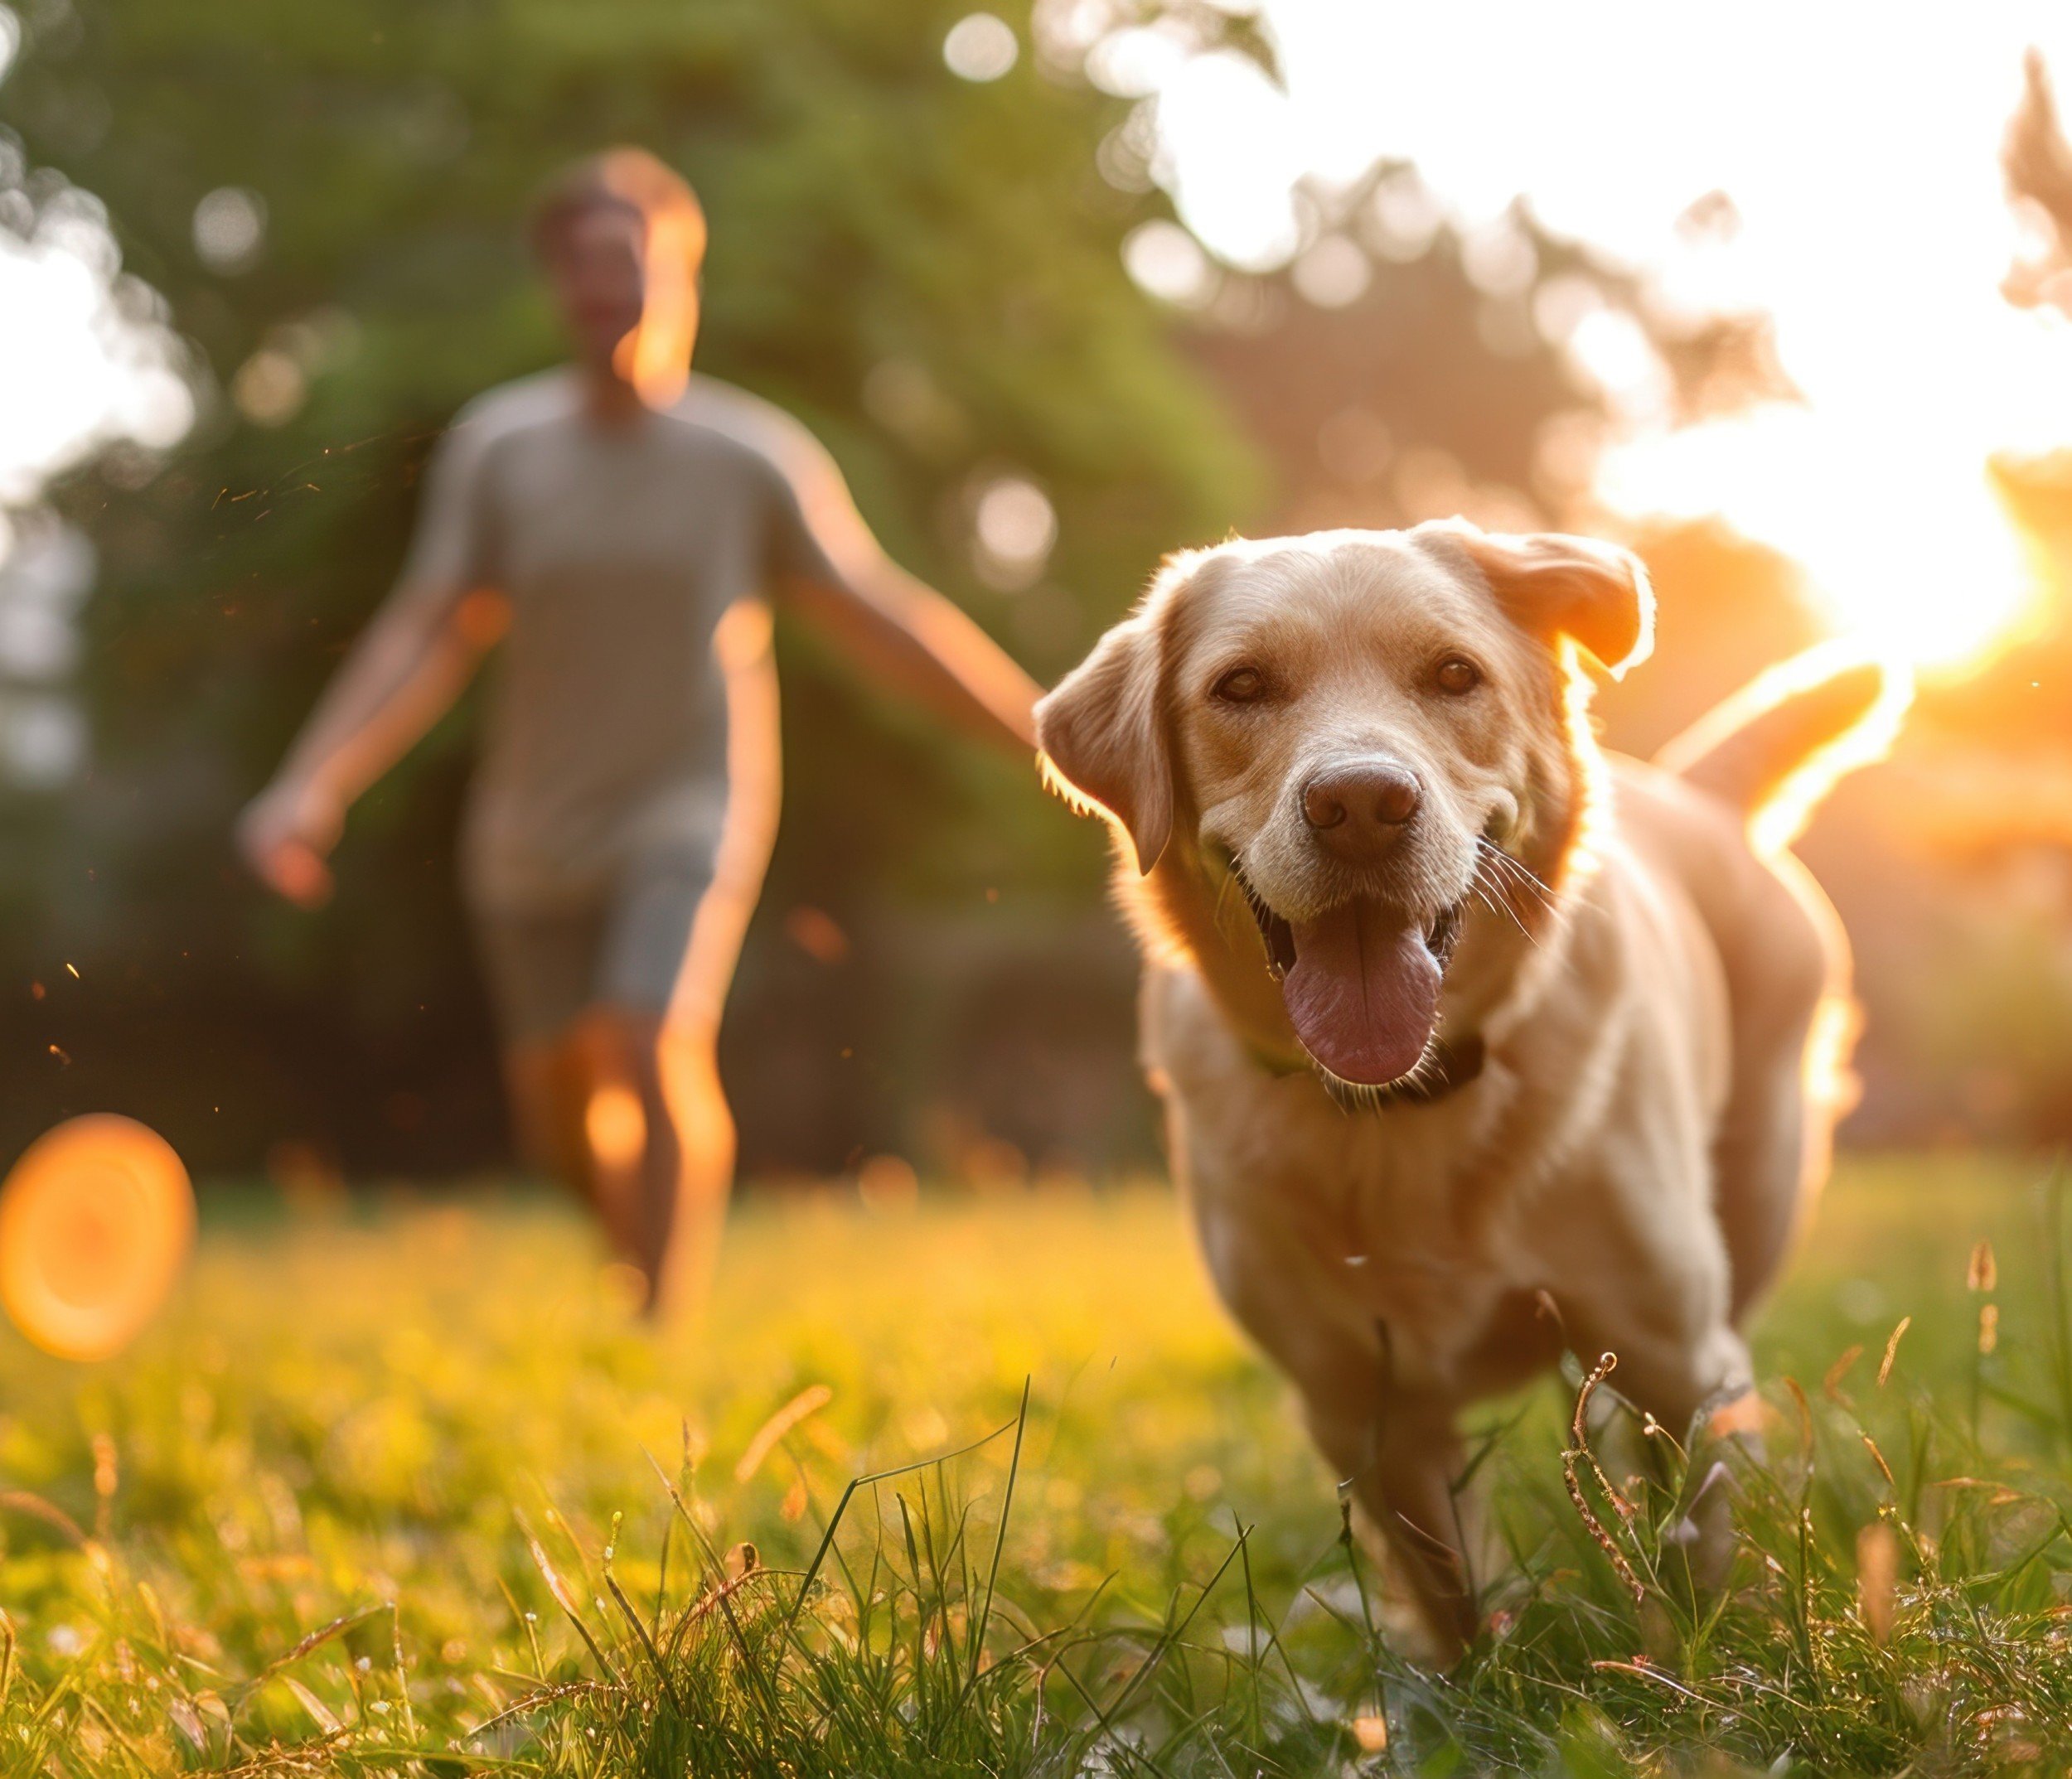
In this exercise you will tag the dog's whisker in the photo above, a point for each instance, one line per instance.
(1222, 899)
(1501, 904)
(1515, 871)
(1501, 865)
(1495, 905)
(1513, 878)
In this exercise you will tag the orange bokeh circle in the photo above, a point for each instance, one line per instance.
(96, 1221)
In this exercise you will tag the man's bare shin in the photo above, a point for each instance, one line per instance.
(690, 1165)
(657, 1138)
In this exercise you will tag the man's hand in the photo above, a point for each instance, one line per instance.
(285, 834)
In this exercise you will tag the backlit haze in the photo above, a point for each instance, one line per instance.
(1860, 148)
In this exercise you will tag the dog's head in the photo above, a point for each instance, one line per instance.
(1358, 723)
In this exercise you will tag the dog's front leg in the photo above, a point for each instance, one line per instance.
(1401, 1452)
(1398, 1447)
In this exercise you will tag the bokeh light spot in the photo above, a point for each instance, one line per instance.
(1166, 261)
(1016, 528)
(269, 388)
(888, 1184)
(1333, 273)
(230, 229)
(980, 46)
(96, 1221)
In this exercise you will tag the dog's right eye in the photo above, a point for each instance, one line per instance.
(1241, 685)
(1457, 674)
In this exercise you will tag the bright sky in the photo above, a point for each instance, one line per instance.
(79, 366)
(1861, 146)
(84, 356)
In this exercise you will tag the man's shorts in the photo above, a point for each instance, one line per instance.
(626, 949)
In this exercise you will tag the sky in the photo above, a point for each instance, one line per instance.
(84, 358)
(1859, 145)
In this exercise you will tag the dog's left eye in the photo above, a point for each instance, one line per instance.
(1456, 674)
(1241, 685)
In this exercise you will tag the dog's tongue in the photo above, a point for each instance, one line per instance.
(1364, 993)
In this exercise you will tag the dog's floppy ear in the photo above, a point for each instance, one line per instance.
(1102, 735)
(1556, 585)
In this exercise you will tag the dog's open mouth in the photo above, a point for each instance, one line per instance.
(1361, 981)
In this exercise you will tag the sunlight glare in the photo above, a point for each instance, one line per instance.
(1905, 544)
(1872, 227)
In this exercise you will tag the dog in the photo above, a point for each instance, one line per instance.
(1475, 1040)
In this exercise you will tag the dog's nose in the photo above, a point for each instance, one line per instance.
(1359, 808)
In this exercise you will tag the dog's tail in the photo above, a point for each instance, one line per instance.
(1776, 748)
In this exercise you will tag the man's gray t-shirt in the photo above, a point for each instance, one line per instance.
(619, 547)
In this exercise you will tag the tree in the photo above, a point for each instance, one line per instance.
(925, 269)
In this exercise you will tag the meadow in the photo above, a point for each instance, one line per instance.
(396, 1487)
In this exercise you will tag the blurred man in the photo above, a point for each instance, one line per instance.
(619, 520)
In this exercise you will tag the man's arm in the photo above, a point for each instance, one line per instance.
(911, 640)
(905, 634)
(403, 672)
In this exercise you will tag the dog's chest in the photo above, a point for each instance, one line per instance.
(1402, 1219)
(1369, 1203)
(1377, 1210)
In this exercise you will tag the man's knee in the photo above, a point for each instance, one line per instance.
(688, 1085)
(672, 1064)
(542, 1083)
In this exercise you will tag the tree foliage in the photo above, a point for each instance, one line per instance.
(925, 270)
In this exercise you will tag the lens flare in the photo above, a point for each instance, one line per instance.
(1905, 538)
(96, 1221)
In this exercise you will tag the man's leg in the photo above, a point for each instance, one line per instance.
(662, 1065)
(660, 1141)
(544, 1080)
(541, 969)
(588, 1088)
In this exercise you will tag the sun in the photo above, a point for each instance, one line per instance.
(1944, 590)
(1907, 551)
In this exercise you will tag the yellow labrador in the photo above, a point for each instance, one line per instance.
(1452, 1012)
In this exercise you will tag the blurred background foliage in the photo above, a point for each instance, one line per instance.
(924, 269)
(975, 292)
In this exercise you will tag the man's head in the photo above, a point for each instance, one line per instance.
(1349, 719)
(621, 238)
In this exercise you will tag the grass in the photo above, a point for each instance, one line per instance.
(397, 1490)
